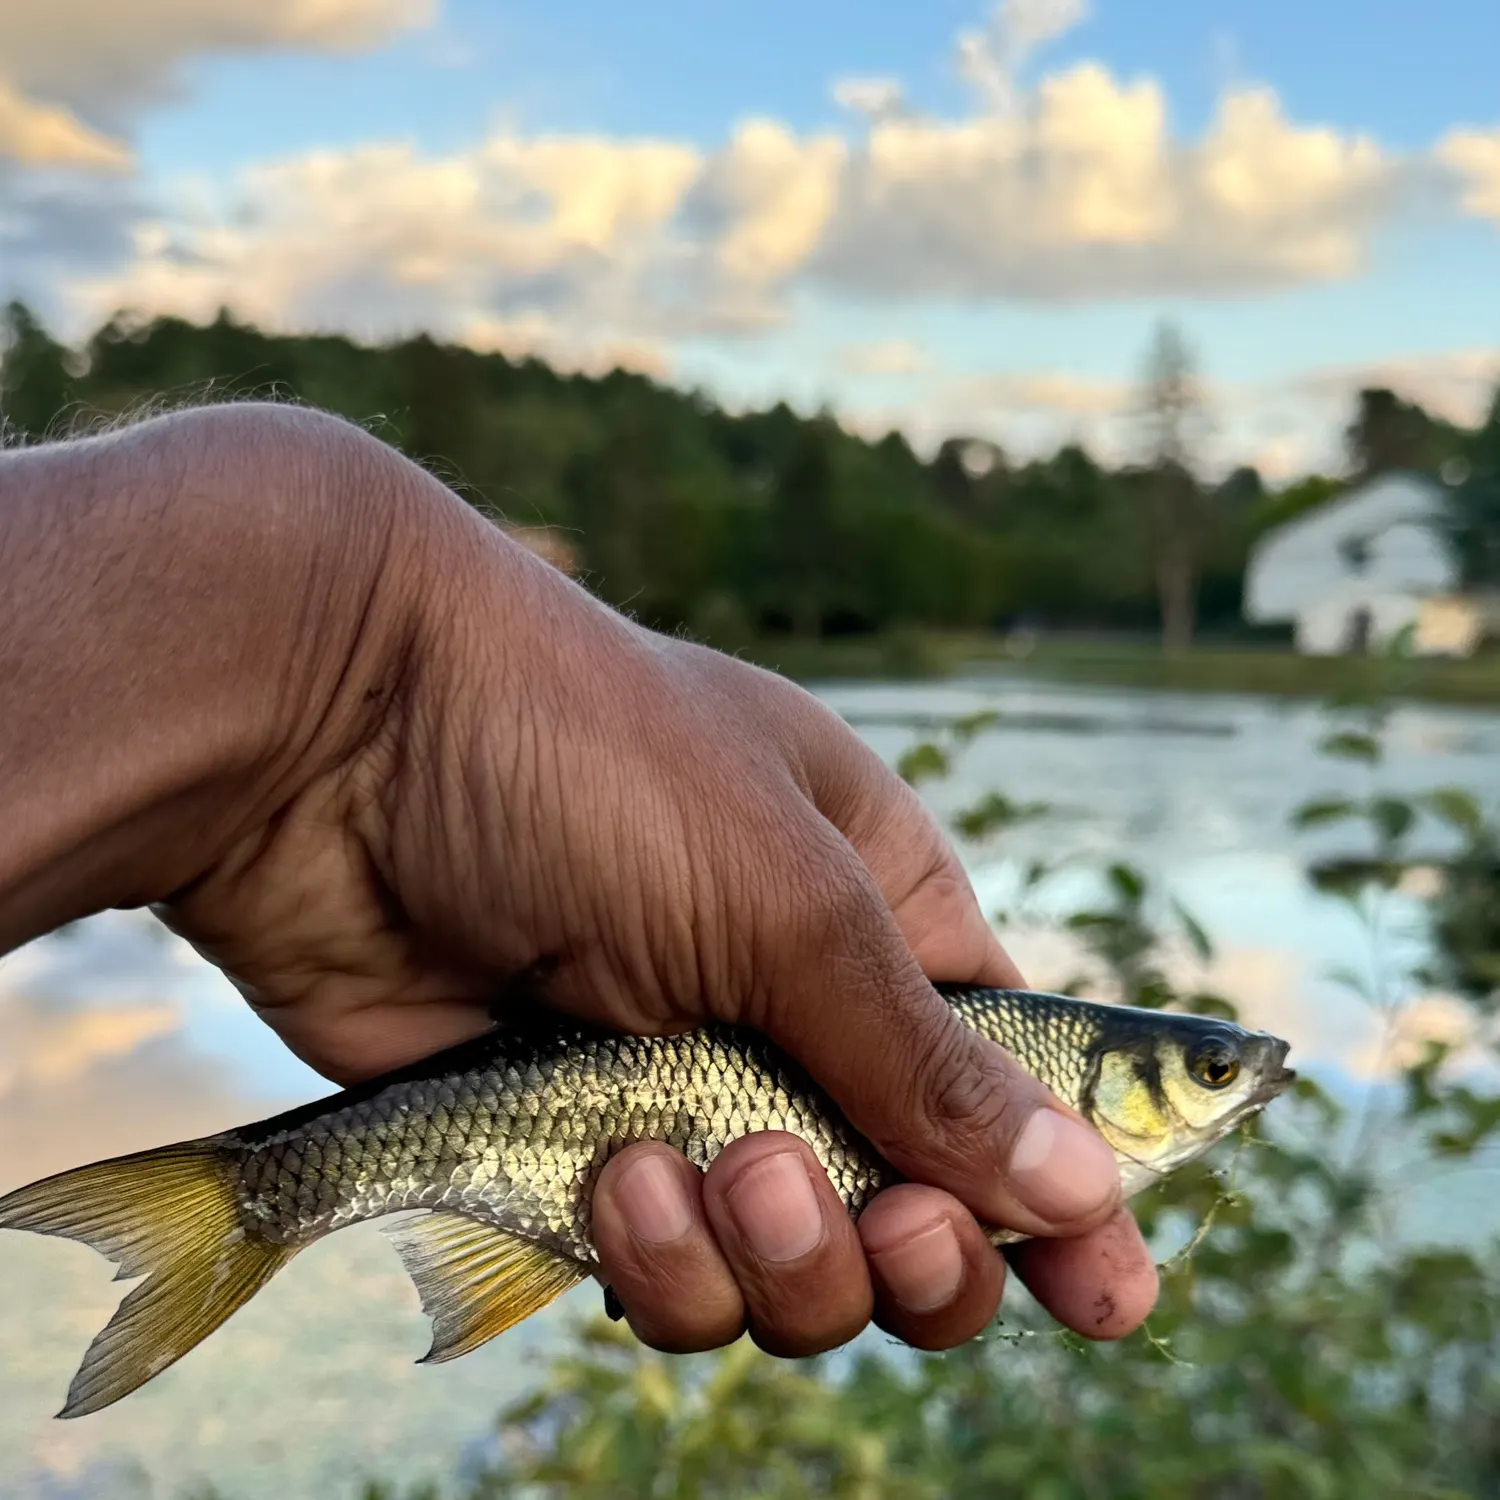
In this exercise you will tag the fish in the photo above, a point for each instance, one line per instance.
(487, 1154)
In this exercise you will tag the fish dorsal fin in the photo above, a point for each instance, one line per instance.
(476, 1281)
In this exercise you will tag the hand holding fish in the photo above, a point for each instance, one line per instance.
(377, 762)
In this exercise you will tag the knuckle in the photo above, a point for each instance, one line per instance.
(941, 878)
(970, 1098)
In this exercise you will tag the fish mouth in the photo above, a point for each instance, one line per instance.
(1276, 1077)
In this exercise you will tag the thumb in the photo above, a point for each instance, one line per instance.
(840, 990)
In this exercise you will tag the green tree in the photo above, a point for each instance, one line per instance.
(1473, 519)
(435, 405)
(804, 530)
(1180, 518)
(1296, 499)
(35, 382)
(1388, 433)
(742, 522)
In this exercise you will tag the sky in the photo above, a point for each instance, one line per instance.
(942, 217)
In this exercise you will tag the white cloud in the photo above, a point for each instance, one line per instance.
(567, 347)
(591, 250)
(1046, 391)
(1474, 157)
(1287, 427)
(991, 59)
(768, 197)
(106, 59)
(1456, 384)
(48, 135)
(875, 98)
(1028, 413)
(884, 357)
(75, 77)
(1083, 192)
(1286, 457)
(555, 240)
(46, 1045)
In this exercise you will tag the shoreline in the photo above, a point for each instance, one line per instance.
(1215, 667)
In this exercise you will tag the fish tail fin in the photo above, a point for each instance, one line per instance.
(170, 1216)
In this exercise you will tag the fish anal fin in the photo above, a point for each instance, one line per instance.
(170, 1216)
(475, 1280)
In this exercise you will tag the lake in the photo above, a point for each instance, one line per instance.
(114, 1036)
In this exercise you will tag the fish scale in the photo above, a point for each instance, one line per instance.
(549, 1108)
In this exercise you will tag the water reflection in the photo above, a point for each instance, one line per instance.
(116, 1036)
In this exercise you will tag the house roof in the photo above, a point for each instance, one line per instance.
(1387, 500)
(1380, 538)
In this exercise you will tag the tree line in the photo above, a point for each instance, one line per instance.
(736, 525)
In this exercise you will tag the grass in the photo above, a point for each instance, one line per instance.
(1212, 667)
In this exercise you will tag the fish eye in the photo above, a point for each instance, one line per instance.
(1214, 1062)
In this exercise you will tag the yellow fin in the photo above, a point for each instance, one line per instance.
(170, 1216)
(476, 1281)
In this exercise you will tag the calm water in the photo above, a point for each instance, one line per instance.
(116, 1037)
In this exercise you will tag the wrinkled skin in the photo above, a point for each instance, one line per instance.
(447, 767)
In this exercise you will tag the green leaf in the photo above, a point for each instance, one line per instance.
(1349, 979)
(1392, 816)
(1128, 882)
(1402, 644)
(966, 728)
(1420, 1079)
(1081, 921)
(1202, 944)
(1326, 810)
(1206, 1003)
(1152, 993)
(994, 813)
(1455, 807)
(923, 762)
(1352, 744)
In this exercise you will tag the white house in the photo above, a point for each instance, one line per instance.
(1355, 572)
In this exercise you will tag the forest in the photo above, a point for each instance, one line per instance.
(735, 526)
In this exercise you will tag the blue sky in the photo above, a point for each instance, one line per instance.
(1404, 71)
(980, 245)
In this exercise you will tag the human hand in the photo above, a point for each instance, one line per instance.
(483, 772)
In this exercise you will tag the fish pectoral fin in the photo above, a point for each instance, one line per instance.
(475, 1281)
(170, 1216)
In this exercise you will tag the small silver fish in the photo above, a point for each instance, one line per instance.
(500, 1141)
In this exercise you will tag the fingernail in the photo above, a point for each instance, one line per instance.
(1061, 1169)
(924, 1272)
(654, 1201)
(774, 1206)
